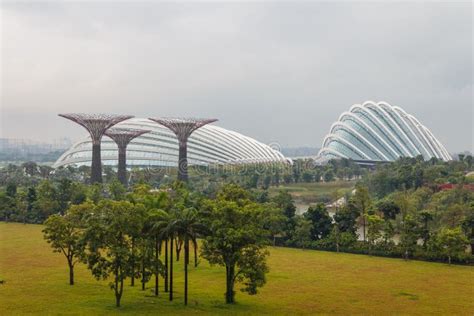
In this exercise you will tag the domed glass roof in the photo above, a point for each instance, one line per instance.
(207, 145)
(379, 132)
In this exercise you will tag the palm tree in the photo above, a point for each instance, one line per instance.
(166, 226)
(156, 223)
(187, 226)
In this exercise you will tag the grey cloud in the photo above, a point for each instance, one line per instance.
(275, 71)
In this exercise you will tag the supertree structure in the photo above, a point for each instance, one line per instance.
(183, 128)
(122, 137)
(96, 125)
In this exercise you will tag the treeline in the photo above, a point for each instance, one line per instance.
(30, 192)
(412, 224)
(262, 176)
(206, 179)
(398, 209)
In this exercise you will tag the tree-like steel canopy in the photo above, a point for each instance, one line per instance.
(122, 137)
(182, 128)
(96, 125)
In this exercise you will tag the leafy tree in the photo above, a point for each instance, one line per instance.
(78, 194)
(65, 232)
(468, 226)
(64, 194)
(307, 176)
(425, 217)
(47, 202)
(409, 234)
(452, 242)
(108, 240)
(237, 241)
(321, 222)
(374, 230)
(275, 222)
(45, 171)
(362, 202)
(267, 180)
(117, 190)
(346, 218)
(11, 190)
(95, 193)
(454, 214)
(7, 206)
(302, 236)
(30, 201)
(328, 175)
(284, 200)
(388, 208)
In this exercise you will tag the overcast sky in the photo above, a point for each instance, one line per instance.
(276, 71)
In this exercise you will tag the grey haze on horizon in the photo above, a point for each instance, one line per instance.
(275, 71)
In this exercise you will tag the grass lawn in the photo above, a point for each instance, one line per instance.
(300, 282)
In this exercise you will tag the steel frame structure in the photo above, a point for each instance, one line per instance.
(182, 128)
(122, 137)
(96, 125)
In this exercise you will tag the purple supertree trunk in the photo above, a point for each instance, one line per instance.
(122, 165)
(183, 162)
(96, 125)
(182, 128)
(96, 166)
(122, 137)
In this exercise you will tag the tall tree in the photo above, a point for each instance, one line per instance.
(320, 220)
(108, 238)
(374, 231)
(65, 233)
(452, 242)
(302, 236)
(362, 201)
(468, 226)
(187, 227)
(237, 241)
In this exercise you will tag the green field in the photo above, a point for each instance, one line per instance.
(300, 282)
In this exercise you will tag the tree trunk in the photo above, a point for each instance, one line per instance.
(133, 263)
(449, 259)
(274, 240)
(179, 245)
(143, 275)
(363, 227)
(166, 265)
(157, 249)
(118, 291)
(171, 269)
(195, 254)
(229, 294)
(186, 262)
(71, 273)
